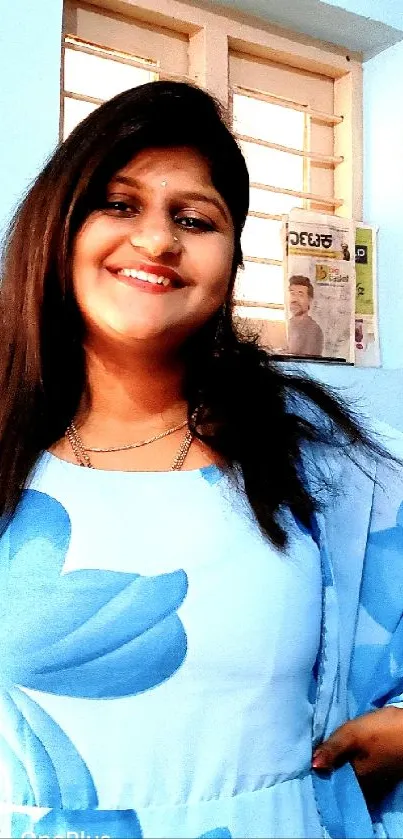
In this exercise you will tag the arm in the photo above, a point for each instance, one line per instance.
(373, 744)
(314, 339)
(373, 741)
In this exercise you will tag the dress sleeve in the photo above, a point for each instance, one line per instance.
(377, 664)
(376, 677)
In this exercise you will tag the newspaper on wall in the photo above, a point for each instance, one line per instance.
(367, 352)
(320, 287)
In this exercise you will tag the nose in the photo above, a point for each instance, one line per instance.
(155, 237)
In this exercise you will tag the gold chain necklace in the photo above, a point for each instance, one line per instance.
(128, 446)
(81, 452)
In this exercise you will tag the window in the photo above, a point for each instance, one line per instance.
(296, 111)
(105, 54)
(284, 120)
(93, 74)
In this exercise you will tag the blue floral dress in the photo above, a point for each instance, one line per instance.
(158, 659)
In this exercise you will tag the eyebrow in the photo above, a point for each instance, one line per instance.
(188, 196)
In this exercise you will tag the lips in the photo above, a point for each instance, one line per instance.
(159, 277)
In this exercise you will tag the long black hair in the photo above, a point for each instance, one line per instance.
(248, 409)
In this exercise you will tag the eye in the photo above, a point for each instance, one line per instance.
(194, 223)
(119, 207)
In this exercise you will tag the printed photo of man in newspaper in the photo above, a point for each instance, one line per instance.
(305, 337)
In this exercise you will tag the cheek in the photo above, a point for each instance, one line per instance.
(93, 242)
(91, 246)
(215, 267)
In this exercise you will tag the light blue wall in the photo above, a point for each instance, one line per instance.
(29, 108)
(383, 156)
(382, 390)
(30, 42)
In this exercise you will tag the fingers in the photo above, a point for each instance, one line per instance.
(373, 744)
(339, 748)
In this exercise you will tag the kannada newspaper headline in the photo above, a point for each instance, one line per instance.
(320, 287)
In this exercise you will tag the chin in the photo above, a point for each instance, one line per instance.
(136, 332)
(122, 332)
(134, 335)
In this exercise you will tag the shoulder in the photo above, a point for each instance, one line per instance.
(362, 504)
(314, 326)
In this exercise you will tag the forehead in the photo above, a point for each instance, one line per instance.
(299, 288)
(168, 166)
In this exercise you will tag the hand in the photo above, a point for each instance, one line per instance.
(373, 744)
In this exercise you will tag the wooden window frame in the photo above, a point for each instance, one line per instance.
(213, 32)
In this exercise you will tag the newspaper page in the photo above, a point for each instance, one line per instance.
(367, 351)
(320, 287)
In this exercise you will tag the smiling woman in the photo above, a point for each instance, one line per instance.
(170, 645)
(154, 261)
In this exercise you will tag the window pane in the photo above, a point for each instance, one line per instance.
(262, 238)
(102, 78)
(267, 324)
(259, 283)
(259, 312)
(263, 201)
(274, 168)
(74, 112)
(268, 121)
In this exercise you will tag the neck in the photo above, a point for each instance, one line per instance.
(127, 392)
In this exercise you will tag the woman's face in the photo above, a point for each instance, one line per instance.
(154, 262)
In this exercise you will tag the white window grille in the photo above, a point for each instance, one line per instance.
(296, 112)
(93, 73)
(275, 134)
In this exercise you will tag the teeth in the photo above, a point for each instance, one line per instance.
(144, 276)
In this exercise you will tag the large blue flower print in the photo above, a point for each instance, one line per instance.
(377, 671)
(89, 633)
(384, 574)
